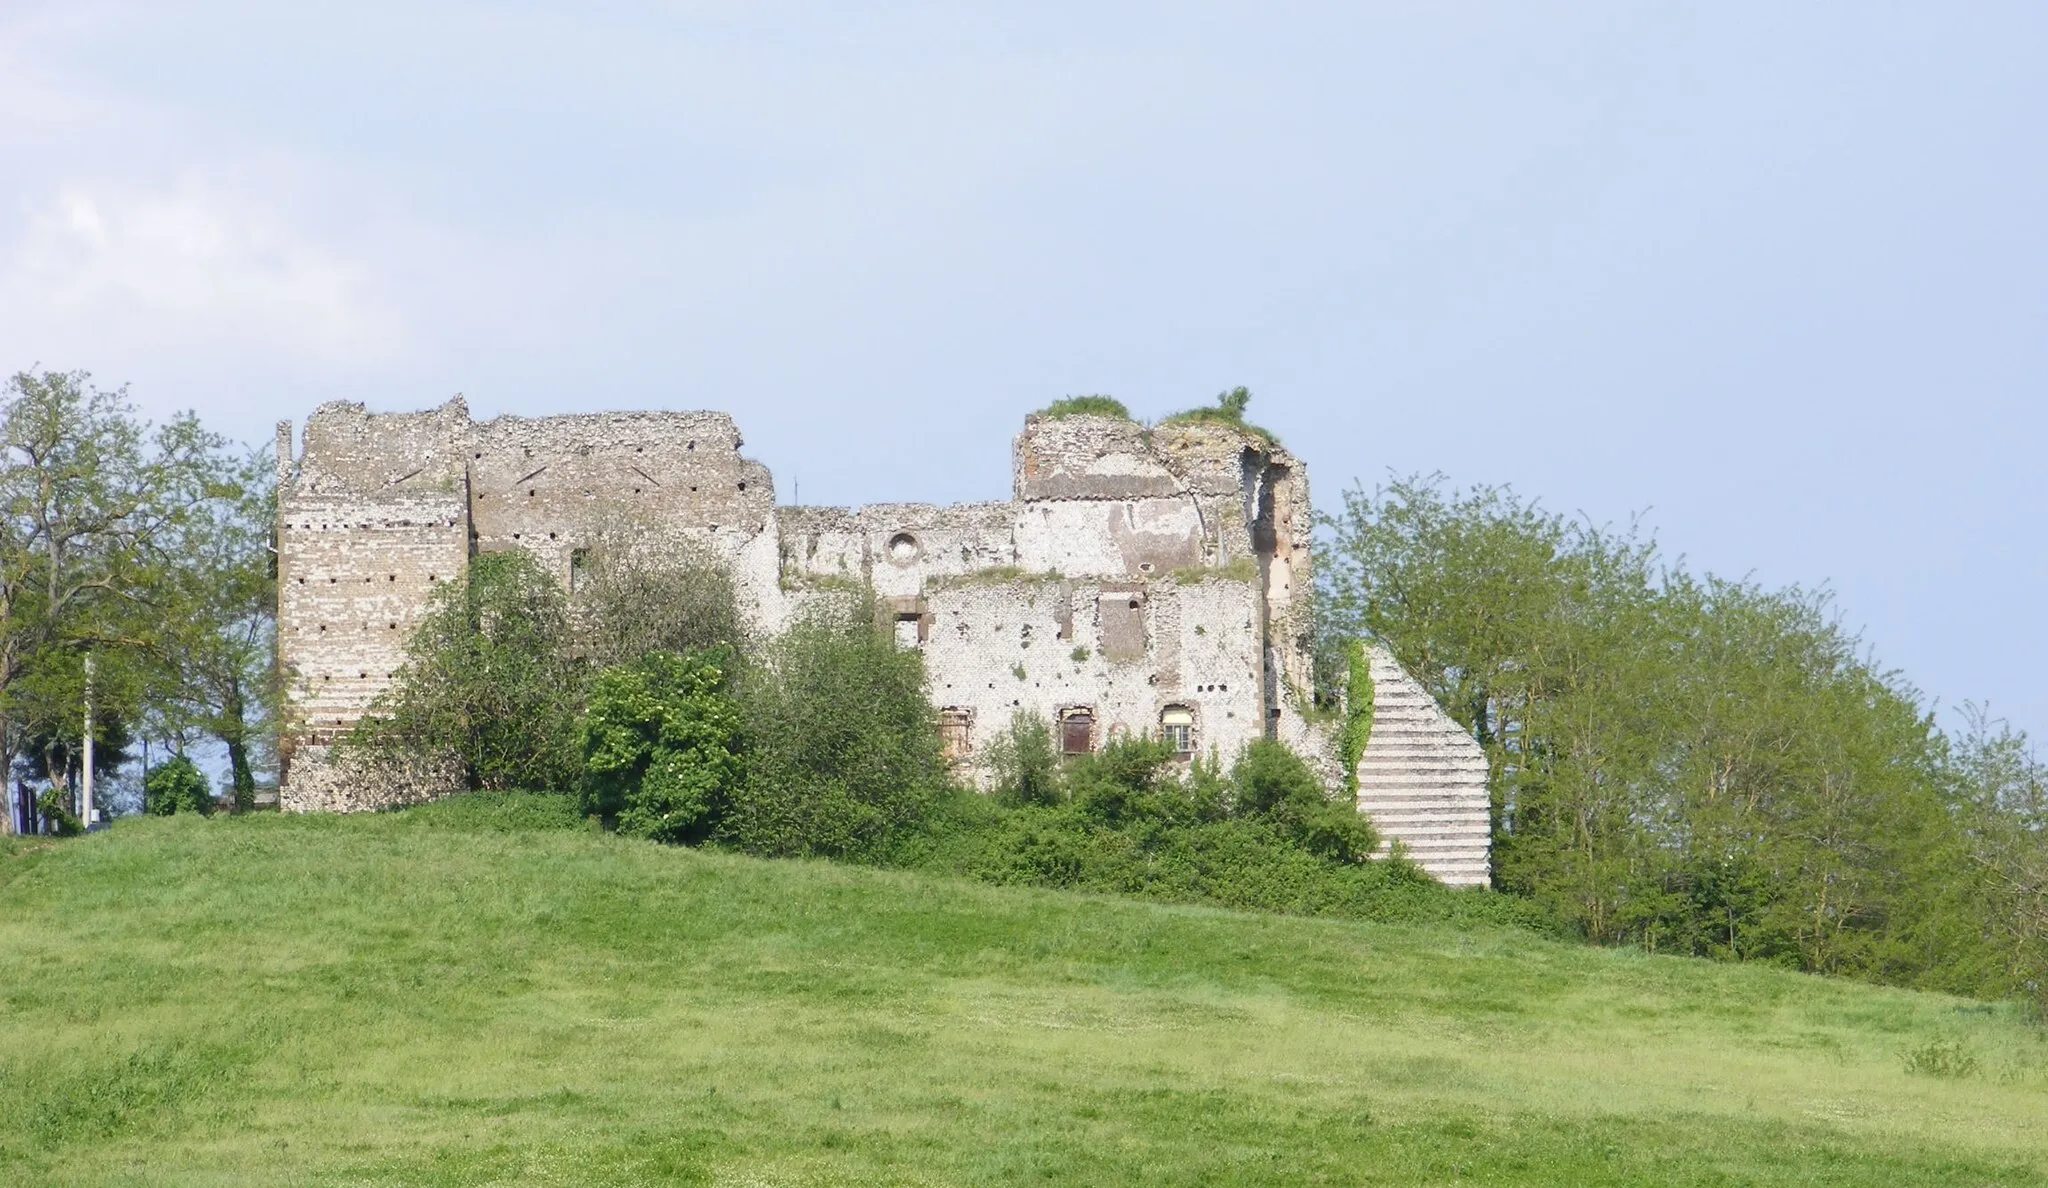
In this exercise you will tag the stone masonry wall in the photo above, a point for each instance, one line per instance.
(1136, 571)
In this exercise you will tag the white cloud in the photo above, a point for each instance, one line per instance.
(105, 270)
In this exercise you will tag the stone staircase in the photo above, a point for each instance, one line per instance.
(1422, 779)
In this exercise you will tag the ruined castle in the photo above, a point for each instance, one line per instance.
(1141, 581)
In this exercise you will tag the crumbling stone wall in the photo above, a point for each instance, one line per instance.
(1137, 572)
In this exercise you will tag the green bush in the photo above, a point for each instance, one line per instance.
(1121, 784)
(1086, 406)
(1025, 763)
(176, 786)
(488, 678)
(660, 741)
(55, 807)
(1272, 782)
(1229, 409)
(1248, 863)
(1123, 821)
(843, 747)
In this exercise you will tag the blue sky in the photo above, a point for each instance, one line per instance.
(1776, 275)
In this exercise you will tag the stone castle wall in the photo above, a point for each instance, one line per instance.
(1137, 573)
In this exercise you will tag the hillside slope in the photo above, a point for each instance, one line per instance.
(380, 1000)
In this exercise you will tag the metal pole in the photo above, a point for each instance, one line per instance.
(86, 812)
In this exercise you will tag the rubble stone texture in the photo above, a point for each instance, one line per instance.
(1138, 572)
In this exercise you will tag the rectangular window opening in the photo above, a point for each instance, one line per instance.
(1077, 732)
(956, 731)
(1177, 730)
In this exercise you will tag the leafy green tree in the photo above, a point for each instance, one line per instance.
(211, 666)
(176, 786)
(843, 747)
(661, 743)
(1025, 763)
(488, 679)
(1688, 763)
(2003, 797)
(93, 503)
(50, 743)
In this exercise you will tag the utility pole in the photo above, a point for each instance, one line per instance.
(86, 812)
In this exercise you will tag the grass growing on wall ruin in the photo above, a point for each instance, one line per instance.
(489, 994)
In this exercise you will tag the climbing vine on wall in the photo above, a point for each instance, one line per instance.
(1357, 728)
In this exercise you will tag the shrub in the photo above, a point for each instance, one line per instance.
(660, 744)
(55, 807)
(1118, 785)
(1942, 1058)
(488, 679)
(1024, 762)
(843, 746)
(1272, 782)
(1086, 406)
(1229, 409)
(1248, 863)
(634, 602)
(176, 786)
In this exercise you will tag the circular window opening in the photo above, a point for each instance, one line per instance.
(903, 548)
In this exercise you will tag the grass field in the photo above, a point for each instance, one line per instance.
(410, 999)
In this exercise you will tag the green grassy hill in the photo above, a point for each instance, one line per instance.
(402, 1000)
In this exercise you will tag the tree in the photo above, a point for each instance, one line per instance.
(1024, 762)
(489, 680)
(2003, 790)
(211, 667)
(843, 746)
(92, 501)
(1688, 763)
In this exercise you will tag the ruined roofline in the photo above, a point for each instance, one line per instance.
(1082, 457)
(457, 405)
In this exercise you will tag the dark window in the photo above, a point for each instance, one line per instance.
(1077, 732)
(579, 570)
